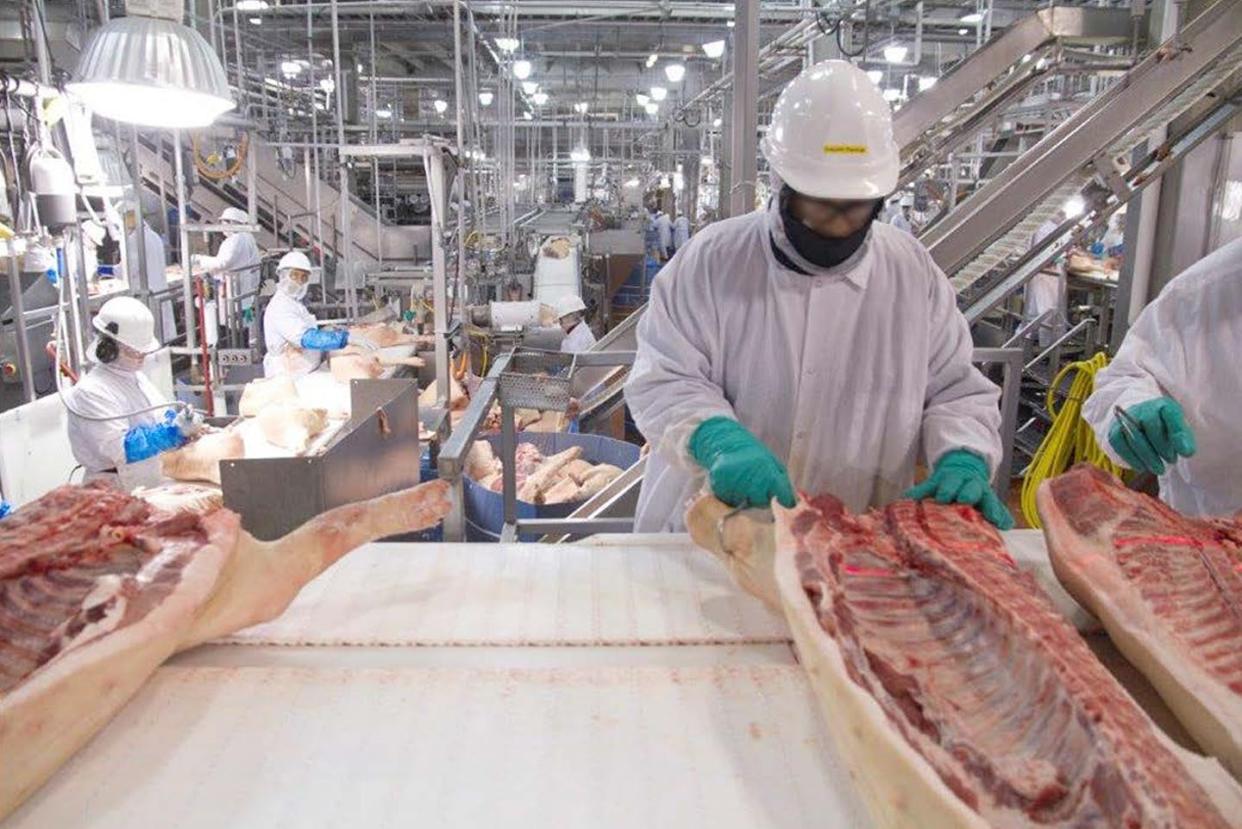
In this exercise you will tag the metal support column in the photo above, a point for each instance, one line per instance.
(343, 254)
(744, 128)
(19, 327)
(183, 245)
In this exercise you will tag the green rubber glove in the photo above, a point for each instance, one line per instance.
(742, 471)
(1161, 436)
(961, 477)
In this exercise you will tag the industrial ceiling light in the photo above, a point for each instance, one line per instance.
(539, 98)
(714, 49)
(658, 93)
(383, 112)
(581, 107)
(875, 75)
(892, 95)
(675, 72)
(507, 44)
(652, 107)
(290, 68)
(521, 69)
(440, 105)
(717, 123)
(651, 59)
(642, 99)
(895, 54)
(251, 5)
(151, 72)
(972, 17)
(485, 98)
(926, 82)
(530, 87)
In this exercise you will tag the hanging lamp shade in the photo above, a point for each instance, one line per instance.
(151, 72)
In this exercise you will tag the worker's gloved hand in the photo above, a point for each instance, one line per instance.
(5, 508)
(324, 339)
(248, 315)
(188, 422)
(147, 440)
(961, 477)
(1159, 435)
(742, 471)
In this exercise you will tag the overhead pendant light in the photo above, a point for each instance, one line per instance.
(290, 68)
(539, 98)
(651, 59)
(875, 76)
(658, 93)
(530, 87)
(507, 44)
(485, 98)
(972, 17)
(642, 99)
(895, 54)
(581, 107)
(521, 69)
(675, 72)
(440, 105)
(652, 107)
(250, 5)
(715, 49)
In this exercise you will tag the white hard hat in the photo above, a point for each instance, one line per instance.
(831, 135)
(291, 260)
(569, 304)
(234, 215)
(129, 322)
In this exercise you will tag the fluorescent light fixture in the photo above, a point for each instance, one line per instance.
(717, 123)
(895, 54)
(1074, 207)
(440, 105)
(875, 75)
(383, 112)
(632, 183)
(652, 108)
(530, 87)
(250, 5)
(714, 49)
(581, 107)
(580, 154)
(539, 98)
(926, 82)
(1026, 58)
(891, 95)
(485, 98)
(256, 21)
(290, 68)
(642, 99)
(507, 44)
(658, 93)
(675, 72)
(521, 69)
(651, 59)
(151, 72)
(972, 17)
(963, 31)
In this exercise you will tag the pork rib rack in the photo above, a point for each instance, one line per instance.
(958, 695)
(97, 588)
(1168, 590)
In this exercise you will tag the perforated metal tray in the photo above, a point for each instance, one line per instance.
(536, 380)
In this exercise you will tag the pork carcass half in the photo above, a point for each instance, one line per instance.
(264, 392)
(292, 427)
(351, 365)
(383, 335)
(97, 588)
(199, 460)
(1168, 589)
(958, 695)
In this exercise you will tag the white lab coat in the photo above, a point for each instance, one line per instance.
(579, 338)
(900, 222)
(845, 373)
(681, 232)
(284, 322)
(157, 279)
(1185, 345)
(1046, 291)
(239, 256)
(664, 232)
(99, 445)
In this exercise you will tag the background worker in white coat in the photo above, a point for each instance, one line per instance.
(1176, 376)
(294, 341)
(157, 279)
(238, 256)
(901, 218)
(681, 232)
(1046, 290)
(571, 312)
(807, 345)
(664, 234)
(116, 414)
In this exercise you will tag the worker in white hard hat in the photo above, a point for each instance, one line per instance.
(1045, 295)
(116, 414)
(295, 342)
(901, 218)
(1175, 380)
(238, 256)
(571, 312)
(806, 346)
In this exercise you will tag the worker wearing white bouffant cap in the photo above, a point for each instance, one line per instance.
(295, 342)
(571, 311)
(116, 415)
(238, 255)
(808, 346)
(1176, 382)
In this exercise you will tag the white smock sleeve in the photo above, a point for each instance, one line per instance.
(671, 390)
(961, 409)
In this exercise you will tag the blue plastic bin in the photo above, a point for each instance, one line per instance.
(427, 472)
(485, 510)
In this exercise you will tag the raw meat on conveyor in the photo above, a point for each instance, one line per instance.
(199, 460)
(292, 426)
(957, 693)
(1168, 589)
(266, 391)
(97, 588)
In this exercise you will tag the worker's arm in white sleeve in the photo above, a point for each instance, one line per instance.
(670, 390)
(961, 409)
(288, 324)
(106, 438)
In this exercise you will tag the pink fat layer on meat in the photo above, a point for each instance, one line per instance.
(1187, 570)
(976, 670)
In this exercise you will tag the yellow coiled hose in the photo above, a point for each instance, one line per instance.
(1070, 440)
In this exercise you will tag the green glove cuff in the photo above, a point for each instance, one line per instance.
(715, 436)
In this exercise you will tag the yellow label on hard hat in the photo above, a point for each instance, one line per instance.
(845, 149)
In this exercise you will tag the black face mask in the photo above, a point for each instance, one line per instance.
(823, 251)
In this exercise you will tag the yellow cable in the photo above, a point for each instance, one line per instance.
(1070, 440)
(200, 163)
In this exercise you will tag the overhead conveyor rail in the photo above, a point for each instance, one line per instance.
(1195, 74)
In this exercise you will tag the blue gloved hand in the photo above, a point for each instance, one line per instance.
(325, 339)
(147, 440)
(961, 477)
(742, 471)
(5, 508)
(1162, 434)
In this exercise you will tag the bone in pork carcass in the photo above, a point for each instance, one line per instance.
(200, 459)
(97, 588)
(1168, 589)
(261, 393)
(292, 427)
(957, 694)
